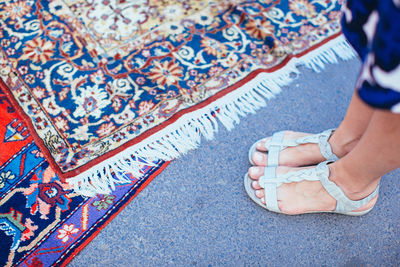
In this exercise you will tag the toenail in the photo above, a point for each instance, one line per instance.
(258, 157)
(259, 145)
(254, 170)
(254, 184)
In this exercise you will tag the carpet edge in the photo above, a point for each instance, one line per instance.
(185, 133)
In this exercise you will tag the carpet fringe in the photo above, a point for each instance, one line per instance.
(186, 133)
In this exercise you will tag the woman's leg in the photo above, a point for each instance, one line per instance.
(342, 140)
(377, 153)
(353, 126)
(358, 173)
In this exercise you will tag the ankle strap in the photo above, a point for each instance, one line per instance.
(325, 147)
(344, 204)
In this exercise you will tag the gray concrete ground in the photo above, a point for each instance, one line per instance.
(196, 212)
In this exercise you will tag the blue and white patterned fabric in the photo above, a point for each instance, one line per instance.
(373, 29)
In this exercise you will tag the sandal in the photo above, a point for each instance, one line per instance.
(270, 181)
(277, 144)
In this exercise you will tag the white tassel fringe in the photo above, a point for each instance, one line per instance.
(185, 134)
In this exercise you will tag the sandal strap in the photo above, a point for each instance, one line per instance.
(344, 204)
(271, 199)
(277, 144)
(270, 187)
(270, 181)
(325, 147)
(270, 176)
(274, 148)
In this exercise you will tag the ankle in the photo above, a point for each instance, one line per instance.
(352, 186)
(341, 143)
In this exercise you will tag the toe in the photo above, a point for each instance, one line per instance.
(261, 145)
(260, 158)
(255, 172)
(255, 185)
(259, 193)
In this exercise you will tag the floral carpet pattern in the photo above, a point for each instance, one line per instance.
(85, 81)
(92, 78)
(42, 221)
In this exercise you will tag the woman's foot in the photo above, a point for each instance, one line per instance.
(303, 154)
(306, 196)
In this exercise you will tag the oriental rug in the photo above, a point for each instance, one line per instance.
(43, 222)
(104, 86)
(96, 96)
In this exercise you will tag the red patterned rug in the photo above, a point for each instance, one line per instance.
(43, 222)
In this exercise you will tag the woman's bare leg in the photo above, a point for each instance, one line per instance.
(352, 127)
(377, 153)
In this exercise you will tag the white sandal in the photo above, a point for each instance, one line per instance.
(277, 144)
(270, 181)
